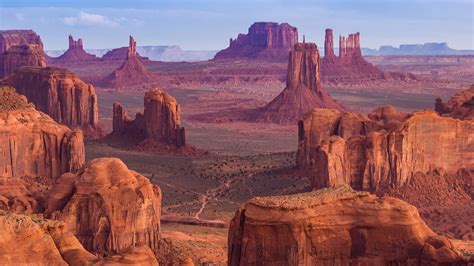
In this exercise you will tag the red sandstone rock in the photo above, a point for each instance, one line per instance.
(264, 40)
(9, 38)
(303, 91)
(110, 208)
(62, 95)
(131, 72)
(459, 106)
(21, 56)
(385, 149)
(75, 54)
(159, 124)
(335, 226)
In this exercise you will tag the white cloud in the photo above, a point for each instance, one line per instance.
(89, 19)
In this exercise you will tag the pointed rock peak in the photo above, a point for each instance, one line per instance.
(75, 44)
(132, 47)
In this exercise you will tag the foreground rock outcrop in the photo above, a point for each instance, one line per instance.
(460, 106)
(335, 226)
(159, 125)
(62, 95)
(75, 54)
(110, 208)
(131, 72)
(264, 40)
(382, 150)
(20, 48)
(303, 91)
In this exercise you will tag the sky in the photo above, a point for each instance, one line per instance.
(208, 24)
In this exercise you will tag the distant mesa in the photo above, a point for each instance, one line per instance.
(131, 72)
(75, 54)
(303, 91)
(61, 94)
(432, 48)
(20, 48)
(264, 40)
(334, 226)
(159, 125)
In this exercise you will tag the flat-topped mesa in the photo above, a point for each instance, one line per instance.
(329, 44)
(9, 38)
(303, 91)
(20, 56)
(75, 54)
(460, 106)
(264, 40)
(61, 94)
(158, 125)
(334, 226)
(108, 207)
(35, 151)
(131, 72)
(383, 150)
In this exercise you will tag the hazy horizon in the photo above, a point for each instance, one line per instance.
(209, 24)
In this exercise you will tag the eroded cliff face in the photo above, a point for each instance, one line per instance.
(264, 40)
(62, 95)
(303, 91)
(110, 208)
(159, 124)
(460, 106)
(335, 226)
(382, 150)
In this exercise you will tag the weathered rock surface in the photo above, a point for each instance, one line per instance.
(131, 72)
(75, 54)
(303, 91)
(350, 66)
(62, 95)
(460, 106)
(26, 240)
(21, 56)
(32, 143)
(264, 40)
(9, 38)
(385, 149)
(335, 226)
(110, 208)
(159, 124)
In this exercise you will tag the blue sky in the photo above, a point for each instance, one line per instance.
(208, 24)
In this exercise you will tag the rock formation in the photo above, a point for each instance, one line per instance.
(303, 91)
(26, 240)
(335, 226)
(350, 66)
(32, 143)
(75, 54)
(108, 207)
(61, 94)
(384, 149)
(131, 72)
(158, 125)
(20, 48)
(460, 106)
(264, 40)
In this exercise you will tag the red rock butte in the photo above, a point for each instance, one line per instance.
(303, 90)
(131, 72)
(264, 40)
(75, 54)
(61, 94)
(20, 48)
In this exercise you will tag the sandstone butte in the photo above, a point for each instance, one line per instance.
(264, 40)
(159, 125)
(35, 151)
(385, 149)
(460, 106)
(303, 90)
(350, 65)
(131, 72)
(109, 208)
(20, 48)
(334, 226)
(62, 95)
(75, 54)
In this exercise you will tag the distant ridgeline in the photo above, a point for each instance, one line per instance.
(417, 49)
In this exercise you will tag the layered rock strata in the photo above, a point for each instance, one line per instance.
(159, 124)
(75, 54)
(303, 90)
(460, 106)
(335, 226)
(264, 40)
(62, 95)
(21, 56)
